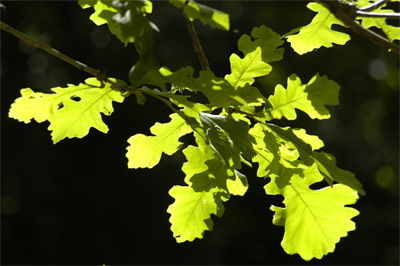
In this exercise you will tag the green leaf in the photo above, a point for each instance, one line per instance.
(237, 131)
(237, 186)
(71, 111)
(245, 70)
(327, 166)
(318, 33)
(310, 98)
(256, 53)
(218, 91)
(207, 15)
(37, 105)
(314, 220)
(265, 38)
(194, 204)
(222, 145)
(326, 163)
(145, 151)
(191, 212)
(276, 157)
(268, 156)
(314, 141)
(210, 182)
(392, 32)
(103, 10)
(126, 19)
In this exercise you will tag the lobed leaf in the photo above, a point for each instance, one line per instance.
(254, 64)
(145, 151)
(126, 19)
(245, 70)
(314, 220)
(326, 163)
(210, 182)
(276, 157)
(265, 38)
(310, 98)
(71, 111)
(191, 212)
(318, 33)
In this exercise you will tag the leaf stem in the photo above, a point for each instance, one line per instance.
(100, 75)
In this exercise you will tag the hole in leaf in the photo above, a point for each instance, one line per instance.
(318, 186)
(75, 98)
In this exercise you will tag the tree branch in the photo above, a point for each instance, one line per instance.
(377, 15)
(346, 14)
(100, 75)
(373, 6)
(196, 43)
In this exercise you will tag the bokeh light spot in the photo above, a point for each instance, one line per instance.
(377, 69)
(385, 177)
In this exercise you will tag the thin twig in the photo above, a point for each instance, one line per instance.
(378, 15)
(346, 15)
(196, 43)
(100, 75)
(373, 6)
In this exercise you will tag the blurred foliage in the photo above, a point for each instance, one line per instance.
(57, 210)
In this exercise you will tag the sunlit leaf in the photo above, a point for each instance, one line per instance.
(194, 204)
(71, 111)
(314, 220)
(145, 151)
(125, 19)
(318, 33)
(310, 98)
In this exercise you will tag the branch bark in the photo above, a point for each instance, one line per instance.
(196, 43)
(100, 75)
(347, 14)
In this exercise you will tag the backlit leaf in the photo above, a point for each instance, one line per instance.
(145, 151)
(392, 32)
(314, 220)
(71, 111)
(318, 33)
(245, 70)
(325, 162)
(310, 98)
(194, 204)
(126, 19)
(265, 38)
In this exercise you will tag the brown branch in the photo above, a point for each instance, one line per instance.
(100, 75)
(196, 43)
(347, 13)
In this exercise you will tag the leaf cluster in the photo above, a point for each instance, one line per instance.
(234, 127)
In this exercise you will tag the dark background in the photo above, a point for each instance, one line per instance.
(77, 203)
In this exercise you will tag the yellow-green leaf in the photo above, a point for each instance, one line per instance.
(145, 151)
(314, 220)
(318, 33)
